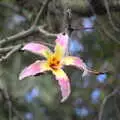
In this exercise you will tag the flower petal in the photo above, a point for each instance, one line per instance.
(61, 45)
(37, 48)
(63, 81)
(77, 62)
(33, 69)
(62, 40)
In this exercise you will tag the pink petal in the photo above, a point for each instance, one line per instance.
(80, 64)
(62, 40)
(77, 62)
(37, 48)
(63, 81)
(65, 88)
(33, 69)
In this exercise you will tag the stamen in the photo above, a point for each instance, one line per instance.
(54, 63)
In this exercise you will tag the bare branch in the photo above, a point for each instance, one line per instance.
(105, 100)
(11, 108)
(109, 35)
(26, 33)
(33, 29)
(98, 72)
(102, 27)
(17, 36)
(6, 49)
(46, 33)
(17, 113)
(16, 48)
(45, 3)
(117, 109)
(110, 16)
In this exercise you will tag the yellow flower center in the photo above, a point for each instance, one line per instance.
(54, 63)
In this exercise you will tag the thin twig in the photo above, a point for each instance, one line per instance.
(26, 33)
(16, 48)
(45, 3)
(117, 109)
(67, 26)
(102, 27)
(33, 29)
(82, 28)
(17, 113)
(5, 49)
(67, 21)
(98, 72)
(17, 36)
(9, 104)
(109, 35)
(110, 16)
(104, 102)
(46, 33)
(11, 108)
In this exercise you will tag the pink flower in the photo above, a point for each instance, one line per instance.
(54, 62)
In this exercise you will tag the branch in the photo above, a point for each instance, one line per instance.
(16, 48)
(6, 49)
(108, 34)
(110, 16)
(33, 29)
(26, 33)
(105, 100)
(98, 72)
(46, 33)
(102, 27)
(45, 3)
(17, 36)
(10, 106)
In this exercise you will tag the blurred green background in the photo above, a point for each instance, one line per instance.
(38, 98)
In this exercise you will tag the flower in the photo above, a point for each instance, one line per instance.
(54, 62)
